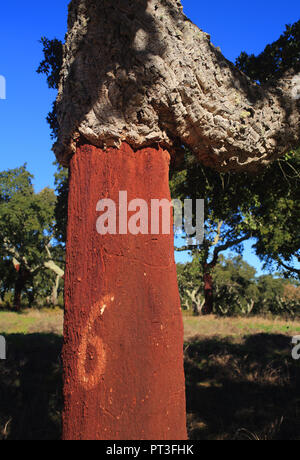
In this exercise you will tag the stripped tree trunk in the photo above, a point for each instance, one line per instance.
(123, 345)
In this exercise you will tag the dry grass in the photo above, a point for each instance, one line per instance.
(51, 321)
(32, 321)
(237, 327)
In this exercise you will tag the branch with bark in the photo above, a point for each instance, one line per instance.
(197, 300)
(152, 76)
(224, 247)
(51, 265)
(288, 267)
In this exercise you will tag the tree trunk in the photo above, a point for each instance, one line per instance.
(22, 277)
(208, 292)
(17, 296)
(54, 295)
(123, 333)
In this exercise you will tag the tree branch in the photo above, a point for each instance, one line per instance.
(55, 268)
(217, 237)
(51, 265)
(224, 247)
(287, 267)
(174, 88)
(17, 258)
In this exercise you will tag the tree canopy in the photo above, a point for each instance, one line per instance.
(277, 58)
(263, 206)
(27, 231)
(238, 290)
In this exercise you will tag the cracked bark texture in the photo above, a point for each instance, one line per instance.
(139, 71)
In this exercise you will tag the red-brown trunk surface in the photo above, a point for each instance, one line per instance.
(123, 337)
(208, 293)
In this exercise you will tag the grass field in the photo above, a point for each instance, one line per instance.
(241, 380)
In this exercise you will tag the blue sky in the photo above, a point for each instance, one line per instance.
(235, 26)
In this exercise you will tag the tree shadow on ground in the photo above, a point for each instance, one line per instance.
(242, 390)
(31, 388)
(235, 390)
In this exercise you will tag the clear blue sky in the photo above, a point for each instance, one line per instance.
(24, 134)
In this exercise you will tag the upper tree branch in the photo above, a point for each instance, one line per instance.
(141, 72)
(224, 247)
(287, 267)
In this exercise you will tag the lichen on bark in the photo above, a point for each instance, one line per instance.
(139, 71)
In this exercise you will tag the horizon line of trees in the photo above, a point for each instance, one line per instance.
(238, 290)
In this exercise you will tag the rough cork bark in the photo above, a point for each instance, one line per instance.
(140, 71)
(123, 337)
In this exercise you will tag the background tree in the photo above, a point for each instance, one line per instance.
(278, 217)
(27, 231)
(190, 283)
(51, 66)
(238, 290)
(276, 59)
(236, 287)
(237, 206)
(281, 243)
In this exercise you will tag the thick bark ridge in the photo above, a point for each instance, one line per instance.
(141, 72)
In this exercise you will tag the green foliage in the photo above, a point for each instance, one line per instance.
(245, 208)
(227, 204)
(61, 206)
(51, 66)
(264, 206)
(278, 217)
(272, 297)
(190, 283)
(52, 62)
(277, 58)
(279, 238)
(26, 231)
(7, 282)
(26, 218)
(235, 286)
(237, 290)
